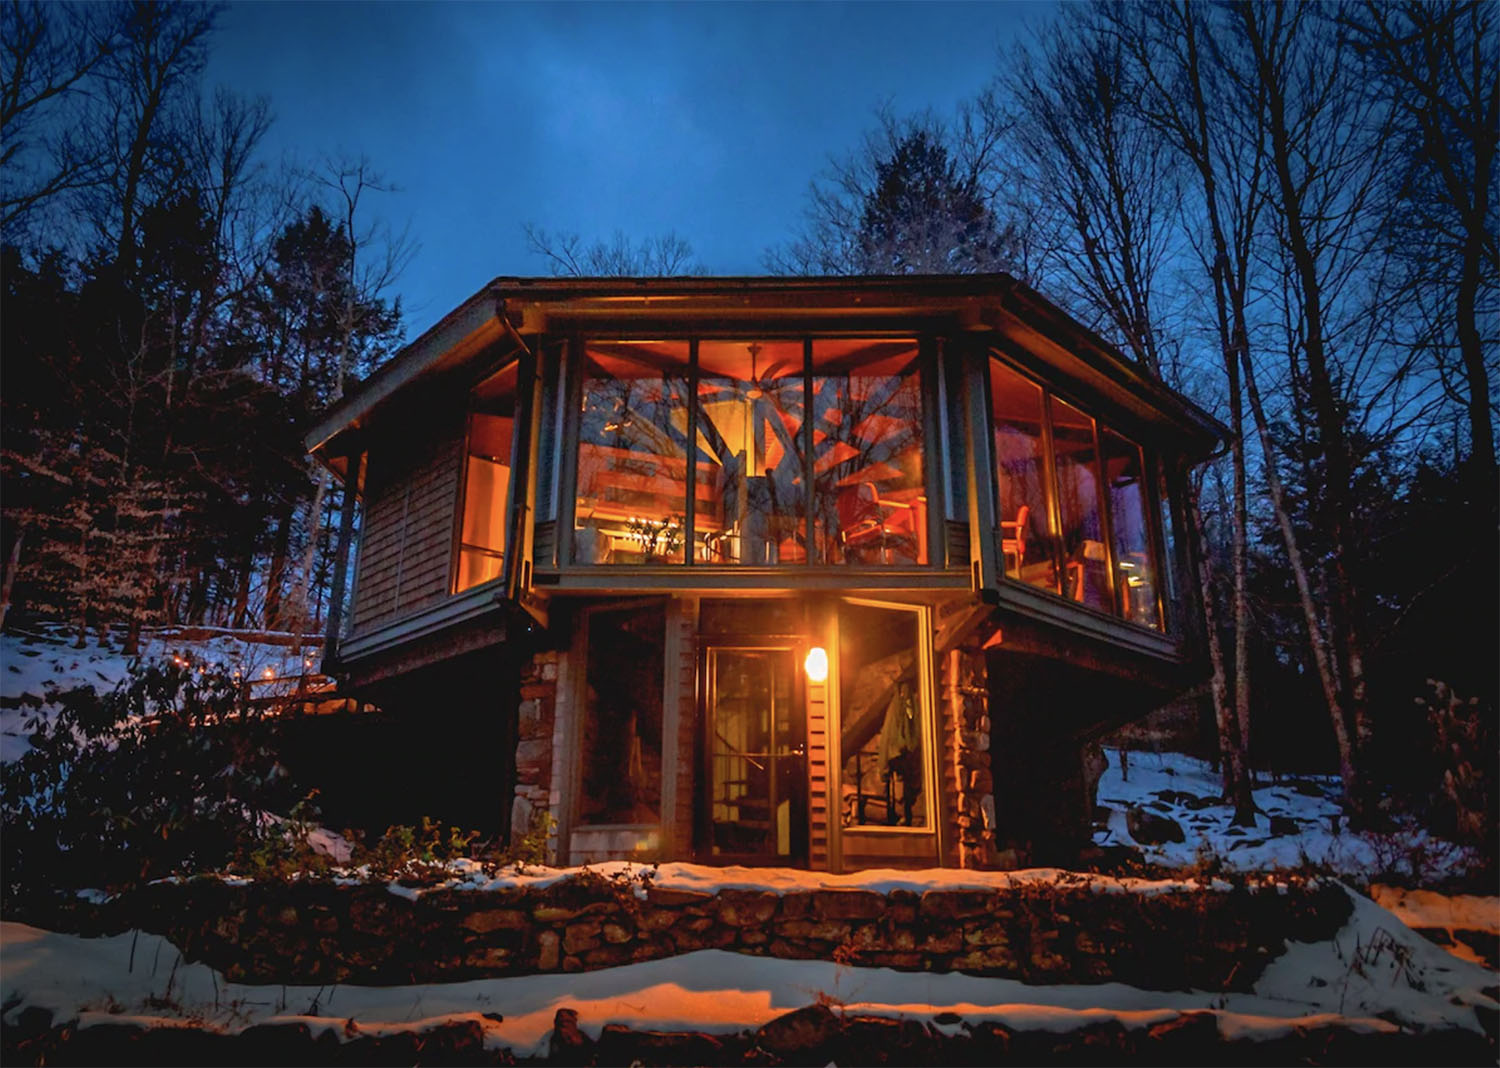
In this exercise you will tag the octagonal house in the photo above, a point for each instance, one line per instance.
(835, 573)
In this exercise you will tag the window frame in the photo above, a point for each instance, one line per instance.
(461, 491)
(566, 483)
(1150, 475)
(931, 735)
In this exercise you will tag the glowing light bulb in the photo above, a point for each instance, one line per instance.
(816, 664)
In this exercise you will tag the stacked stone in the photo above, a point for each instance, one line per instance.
(967, 721)
(1074, 930)
(536, 723)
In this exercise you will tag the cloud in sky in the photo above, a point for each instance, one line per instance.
(707, 119)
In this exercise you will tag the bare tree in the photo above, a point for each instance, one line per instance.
(1108, 180)
(149, 84)
(1437, 67)
(567, 253)
(48, 53)
(377, 256)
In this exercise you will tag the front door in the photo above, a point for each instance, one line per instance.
(755, 748)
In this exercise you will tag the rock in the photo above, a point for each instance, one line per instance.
(1147, 828)
(579, 937)
(1284, 825)
(619, 1044)
(746, 908)
(1485, 943)
(848, 904)
(799, 1032)
(495, 919)
(658, 895)
(568, 1045)
(955, 904)
(549, 951)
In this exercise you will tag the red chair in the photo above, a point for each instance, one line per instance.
(862, 524)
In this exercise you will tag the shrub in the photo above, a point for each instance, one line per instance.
(173, 772)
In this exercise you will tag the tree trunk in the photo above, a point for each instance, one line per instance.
(12, 565)
(1316, 639)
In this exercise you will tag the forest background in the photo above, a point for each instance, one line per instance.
(1285, 210)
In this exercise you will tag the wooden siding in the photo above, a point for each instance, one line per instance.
(406, 546)
(817, 776)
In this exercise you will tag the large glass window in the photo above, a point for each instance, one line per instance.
(752, 495)
(1135, 571)
(1052, 507)
(481, 537)
(632, 454)
(1075, 457)
(751, 452)
(870, 497)
(883, 735)
(1021, 468)
(621, 744)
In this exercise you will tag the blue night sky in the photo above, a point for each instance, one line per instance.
(708, 119)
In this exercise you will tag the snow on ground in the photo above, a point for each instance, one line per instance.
(1375, 975)
(465, 874)
(1449, 913)
(1187, 791)
(36, 665)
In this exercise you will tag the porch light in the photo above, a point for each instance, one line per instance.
(816, 664)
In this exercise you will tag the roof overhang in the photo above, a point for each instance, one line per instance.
(997, 307)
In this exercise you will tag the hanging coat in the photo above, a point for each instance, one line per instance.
(901, 733)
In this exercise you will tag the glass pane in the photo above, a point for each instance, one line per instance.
(758, 772)
(632, 454)
(481, 532)
(1085, 568)
(751, 506)
(881, 712)
(1135, 571)
(870, 500)
(1169, 577)
(622, 724)
(1021, 472)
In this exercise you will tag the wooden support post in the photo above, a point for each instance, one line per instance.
(341, 559)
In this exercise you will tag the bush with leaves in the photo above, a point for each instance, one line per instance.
(173, 772)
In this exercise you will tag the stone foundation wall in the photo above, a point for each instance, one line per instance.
(970, 788)
(1069, 929)
(536, 721)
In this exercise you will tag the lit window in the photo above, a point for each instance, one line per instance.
(1135, 578)
(882, 710)
(1085, 557)
(632, 455)
(870, 496)
(1021, 468)
(481, 538)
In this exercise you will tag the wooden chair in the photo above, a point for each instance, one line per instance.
(1013, 539)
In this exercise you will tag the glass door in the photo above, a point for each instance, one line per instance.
(756, 750)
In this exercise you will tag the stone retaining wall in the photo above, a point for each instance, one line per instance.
(1075, 929)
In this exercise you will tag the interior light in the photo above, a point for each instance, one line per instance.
(816, 664)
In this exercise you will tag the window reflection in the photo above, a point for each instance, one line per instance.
(751, 497)
(1135, 572)
(881, 715)
(870, 500)
(632, 454)
(481, 537)
(622, 716)
(1085, 558)
(1021, 467)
